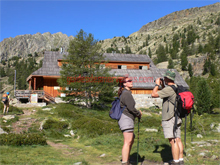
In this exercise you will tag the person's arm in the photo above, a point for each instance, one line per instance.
(155, 90)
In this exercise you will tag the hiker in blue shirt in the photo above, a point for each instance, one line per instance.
(126, 122)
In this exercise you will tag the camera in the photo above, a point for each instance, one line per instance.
(161, 79)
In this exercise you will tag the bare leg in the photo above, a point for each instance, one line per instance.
(128, 141)
(175, 149)
(180, 144)
(7, 109)
(4, 109)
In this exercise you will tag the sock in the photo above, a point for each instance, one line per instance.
(123, 162)
(176, 160)
(180, 159)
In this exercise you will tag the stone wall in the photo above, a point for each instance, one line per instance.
(146, 101)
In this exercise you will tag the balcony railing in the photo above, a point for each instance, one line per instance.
(22, 94)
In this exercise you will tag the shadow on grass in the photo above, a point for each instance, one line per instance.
(133, 158)
(165, 153)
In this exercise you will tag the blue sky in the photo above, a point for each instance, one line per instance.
(104, 19)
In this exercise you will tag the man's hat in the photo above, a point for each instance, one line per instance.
(7, 93)
(170, 75)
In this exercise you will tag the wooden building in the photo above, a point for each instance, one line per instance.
(140, 68)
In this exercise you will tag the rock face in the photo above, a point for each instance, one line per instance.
(176, 17)
(23, 45)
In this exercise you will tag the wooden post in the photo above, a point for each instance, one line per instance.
(34, 83)
(29, 84)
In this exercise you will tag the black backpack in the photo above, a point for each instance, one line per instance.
(183, 106)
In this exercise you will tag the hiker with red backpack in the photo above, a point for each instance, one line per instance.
(6, 100)
(168, 115)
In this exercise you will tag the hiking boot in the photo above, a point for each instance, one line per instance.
(174, 163)
(182, 162)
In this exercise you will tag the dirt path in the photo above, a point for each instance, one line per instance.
(24, 123)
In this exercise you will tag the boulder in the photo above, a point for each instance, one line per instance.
(8, 117)
(2, 131)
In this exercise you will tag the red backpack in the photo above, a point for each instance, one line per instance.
(184, 99)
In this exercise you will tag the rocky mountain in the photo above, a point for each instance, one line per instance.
(23, 45)
(145, 41)
(161, 32)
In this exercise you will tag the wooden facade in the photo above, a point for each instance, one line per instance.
(128, 65)
(135, 66)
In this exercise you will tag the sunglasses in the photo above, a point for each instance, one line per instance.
(128, 81)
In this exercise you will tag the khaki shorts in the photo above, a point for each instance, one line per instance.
(126, 124)
(168, 128)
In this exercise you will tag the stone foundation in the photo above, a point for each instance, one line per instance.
(146, 101)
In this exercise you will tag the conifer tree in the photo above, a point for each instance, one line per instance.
(161, 55)
(203, 97)
(2, 72)
(149, 52)
(170, 64)
(184, 61)
(88, 81)
(190, 70)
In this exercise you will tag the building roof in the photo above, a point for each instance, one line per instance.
(143, 79)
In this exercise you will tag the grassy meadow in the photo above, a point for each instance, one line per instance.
(96, 139)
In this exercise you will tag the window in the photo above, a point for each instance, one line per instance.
(143, 67)
(122, 66)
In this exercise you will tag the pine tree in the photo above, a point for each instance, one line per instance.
(200, 48)
(161, 55)
(212, 69)
(184, 61)
(170, 64)
(83, 73)
(2, 72)
(203, 97)
(149, 52)
(190, 70)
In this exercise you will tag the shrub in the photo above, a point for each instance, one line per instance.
(22, 139)
(92, 127)
(57, 125)
(69, 113)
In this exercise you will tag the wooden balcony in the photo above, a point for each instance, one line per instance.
(41, 94)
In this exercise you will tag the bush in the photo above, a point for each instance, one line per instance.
(69, 113)
(22, 139)
(92, 127)
(57, 125)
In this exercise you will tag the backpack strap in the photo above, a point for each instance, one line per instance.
(175, 112)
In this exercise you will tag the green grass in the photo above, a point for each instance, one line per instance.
(97, 134)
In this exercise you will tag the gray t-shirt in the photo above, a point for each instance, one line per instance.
(169, 96)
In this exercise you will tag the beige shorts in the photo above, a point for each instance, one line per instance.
(126, 124)
(168, 128)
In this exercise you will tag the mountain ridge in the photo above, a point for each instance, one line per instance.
(201, 18)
